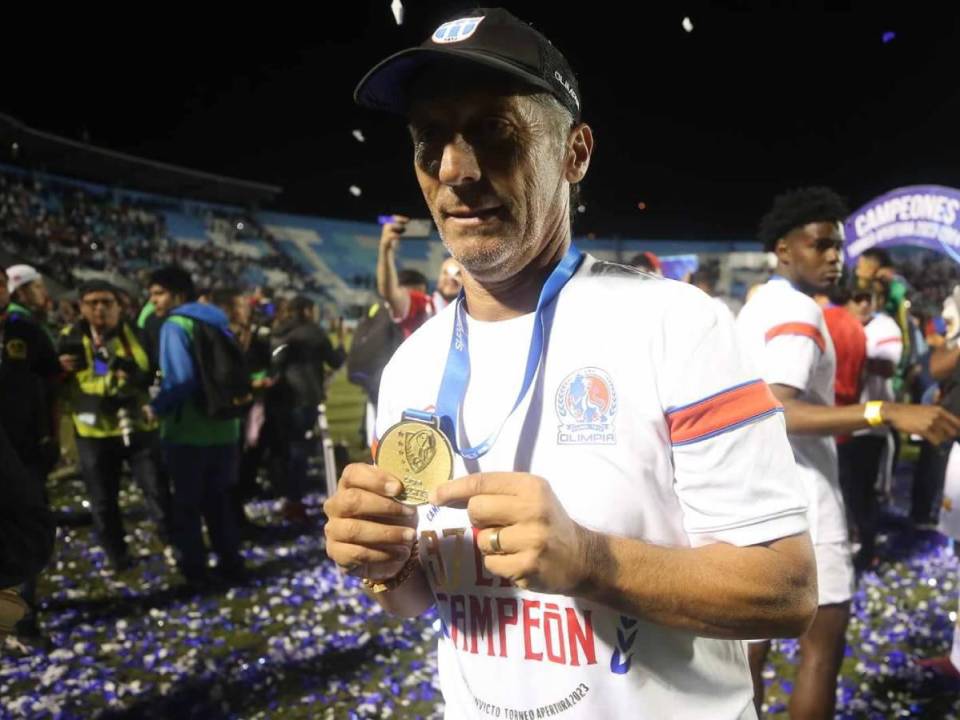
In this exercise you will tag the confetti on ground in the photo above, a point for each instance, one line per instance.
(300, 641)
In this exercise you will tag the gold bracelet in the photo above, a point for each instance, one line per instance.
(873, 413)
(12, 610)
(382, 586)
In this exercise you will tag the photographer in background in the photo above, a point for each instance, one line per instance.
(107, 384)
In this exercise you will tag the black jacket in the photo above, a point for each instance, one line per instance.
(300, 351)
(27, 528)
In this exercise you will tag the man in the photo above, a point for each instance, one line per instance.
(382, 331)
(29, 372)
(255, 342)
(623, 532)
(28, 292)
(784, 331)
(301, 349)
(873, 450)
(200, 451)
(162, 301)
(29, 296)
(705, 280)
(411, 306)
(873, 266)
(842, 314)
(27, 533)
(108, 376)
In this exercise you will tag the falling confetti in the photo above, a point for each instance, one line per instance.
(355, 191)
(358, 135)
(888, 36)
(397, 7)
(687, 24)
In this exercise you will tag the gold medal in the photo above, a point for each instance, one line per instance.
(419, 455)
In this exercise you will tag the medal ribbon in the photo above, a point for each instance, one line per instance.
(456, 375)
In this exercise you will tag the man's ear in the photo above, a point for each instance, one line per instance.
(579, 151)
(782, 250)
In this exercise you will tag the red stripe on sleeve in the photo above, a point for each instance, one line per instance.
(798, 328)
(721, 412)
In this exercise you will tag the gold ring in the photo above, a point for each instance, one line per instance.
(495, 542)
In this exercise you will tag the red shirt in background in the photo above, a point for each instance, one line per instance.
(850, 343)
(421, 308)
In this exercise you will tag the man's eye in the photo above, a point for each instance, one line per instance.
(425, 134)
(494, 128)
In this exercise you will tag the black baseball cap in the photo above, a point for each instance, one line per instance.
(97, 285)
(490, 37)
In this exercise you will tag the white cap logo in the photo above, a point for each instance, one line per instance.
(456, 30)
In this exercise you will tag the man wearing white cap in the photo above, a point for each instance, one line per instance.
(28, 293)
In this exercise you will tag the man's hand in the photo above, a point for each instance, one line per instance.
(391, 232)
(369, 534)
(69, 363)
(931, 422)
(542, 549)
(388, 284)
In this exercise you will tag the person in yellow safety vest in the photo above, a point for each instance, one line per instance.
(108, 380)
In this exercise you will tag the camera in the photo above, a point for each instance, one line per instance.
(73, 346)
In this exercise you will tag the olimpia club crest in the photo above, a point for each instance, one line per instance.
(456, 30)
(586, 407)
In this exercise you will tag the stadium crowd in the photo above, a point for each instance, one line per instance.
(206, 389)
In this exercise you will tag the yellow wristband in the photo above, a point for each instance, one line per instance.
(873, 413)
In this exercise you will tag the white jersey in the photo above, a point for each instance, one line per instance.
(785, 333)
(648, 424)
(884, 342)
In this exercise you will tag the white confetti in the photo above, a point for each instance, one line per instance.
(687, 24)
(397, 7)
(358, 134)
(355, 191)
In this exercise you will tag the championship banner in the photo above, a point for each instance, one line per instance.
(926, 216)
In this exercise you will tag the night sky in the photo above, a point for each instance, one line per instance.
(704, 127)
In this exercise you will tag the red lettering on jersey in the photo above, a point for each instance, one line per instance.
(481, 579)
(556, 653)
(481, 623)
(503, 619)
(458, 619)
(582, 637)
(530, 622)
